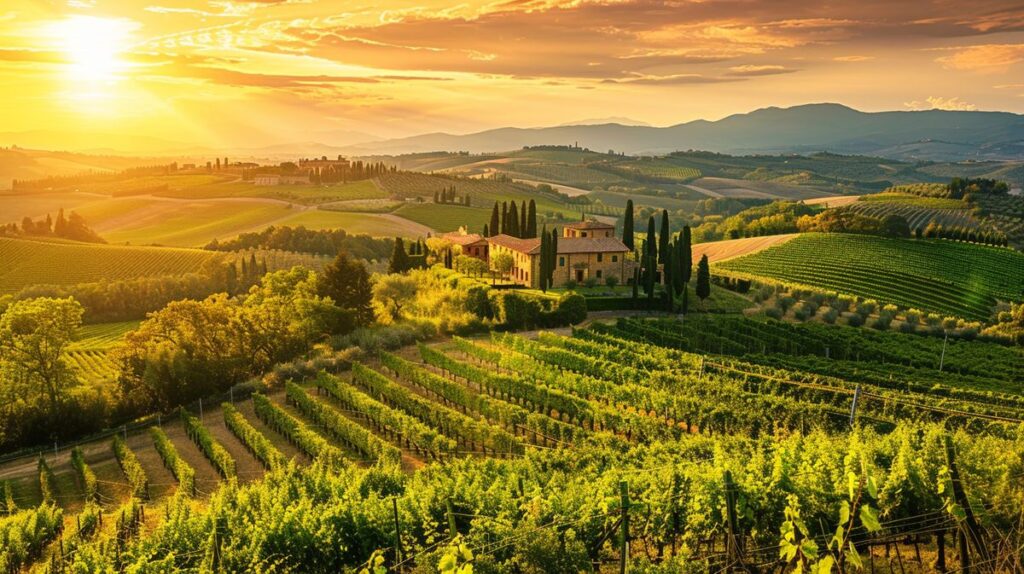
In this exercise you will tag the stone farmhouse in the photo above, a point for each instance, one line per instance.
(586, 249)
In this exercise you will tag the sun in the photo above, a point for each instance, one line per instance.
(93, 46)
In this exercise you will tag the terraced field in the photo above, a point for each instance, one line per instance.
(659, 389)
(30, 262)
(919, 217)
(946, 277)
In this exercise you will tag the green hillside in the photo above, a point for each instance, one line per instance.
(29, 262)
(939, 276)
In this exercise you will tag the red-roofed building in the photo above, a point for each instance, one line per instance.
(598, 254)
(463, 243)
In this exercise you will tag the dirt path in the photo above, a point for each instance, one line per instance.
(282, 444)
(207, 477)
(705, 191)
(246, 466)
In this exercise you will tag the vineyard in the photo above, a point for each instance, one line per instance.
(951, 278)
(553, 449)
(29, 262)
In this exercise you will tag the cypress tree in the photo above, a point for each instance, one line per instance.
(545, 257)
(531, 220)
(663, 239)
(651, 243)
(253, 267)
(399, 258)
(553, 247)
(703, 279)
(504, 219)
(495, 227)
(686, 265)
(485, 233)
(676, 264)
(60, 226)
(231, 278)
(636, 285)
(522, 220)
(513, 220)
(627, 226)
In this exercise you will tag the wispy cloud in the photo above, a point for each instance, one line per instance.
(985, 58)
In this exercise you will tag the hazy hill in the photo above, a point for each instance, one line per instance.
(934, 135)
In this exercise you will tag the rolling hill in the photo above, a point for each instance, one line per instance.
(933, 135)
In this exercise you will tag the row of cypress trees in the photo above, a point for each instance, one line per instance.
(517, 221)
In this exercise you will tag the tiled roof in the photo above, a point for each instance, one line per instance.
(589, 224)
(462, 239)
(565, 244)
(515, 243)
(590, 245)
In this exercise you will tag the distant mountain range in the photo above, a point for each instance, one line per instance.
(925, 135)
(934, 135)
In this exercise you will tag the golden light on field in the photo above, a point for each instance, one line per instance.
(93, 46)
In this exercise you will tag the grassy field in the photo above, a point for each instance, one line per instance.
(303, 194)
(446, 217)
(177, 223)
(378, 225)
(951, 278)
(30, 262)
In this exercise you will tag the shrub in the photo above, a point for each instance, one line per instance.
(611, 281)
(855, 320)
(773, 312)
(785, 302)
(570, 284)
(515, 311)
(913, 316)
(590, 282)
(882, 322)
(571, 309)
(865, 308)
(829, 315)
(907, 327)
(950, 323)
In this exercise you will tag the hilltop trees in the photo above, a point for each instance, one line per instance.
(663, 238)
(73, 227)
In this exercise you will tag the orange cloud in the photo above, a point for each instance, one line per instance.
(940, 103)
(985, 58)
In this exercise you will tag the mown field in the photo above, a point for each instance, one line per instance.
(30, 262)
(937, 276)
(494, 437)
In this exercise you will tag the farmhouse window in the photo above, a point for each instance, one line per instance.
(600, 257)
(561, 261)
(615, 258)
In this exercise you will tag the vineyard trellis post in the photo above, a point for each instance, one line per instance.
(853, 407)
(970, 528)
(942, 357)
(734, 550)
(453, 530)
(624, 534)
(398, 533)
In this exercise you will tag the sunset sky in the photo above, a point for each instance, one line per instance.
(231, 73)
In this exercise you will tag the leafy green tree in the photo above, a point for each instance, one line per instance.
(703, 279)
(346, 282)
(392, 293)
(34, 337)
(502, 264)
(627, 226)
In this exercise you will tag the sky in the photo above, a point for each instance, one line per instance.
(222, 73)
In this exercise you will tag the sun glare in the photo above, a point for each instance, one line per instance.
(93, 46)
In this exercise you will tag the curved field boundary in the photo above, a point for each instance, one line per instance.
(940, 276)
(723, 250)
